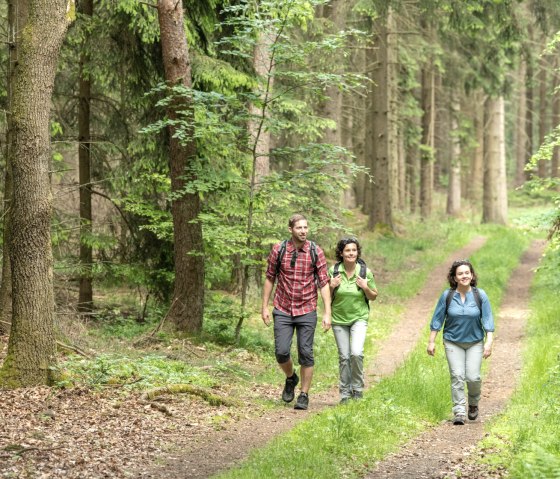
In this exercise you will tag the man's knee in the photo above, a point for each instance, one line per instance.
(306, 359)
(282, 358)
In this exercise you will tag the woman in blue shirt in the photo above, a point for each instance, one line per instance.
(465, 326)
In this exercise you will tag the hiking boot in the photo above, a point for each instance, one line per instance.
(459, 419)
(289, 387)
(357, 395)
(302, 401)
(473, 412)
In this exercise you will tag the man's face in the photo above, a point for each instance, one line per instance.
(299, 231)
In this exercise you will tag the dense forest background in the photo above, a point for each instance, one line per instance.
(160, 148)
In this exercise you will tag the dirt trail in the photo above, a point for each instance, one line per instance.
(210, 451)
(440, 452)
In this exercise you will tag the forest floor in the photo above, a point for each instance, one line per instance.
(77, 433)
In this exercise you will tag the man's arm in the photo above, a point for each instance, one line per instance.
(326, 297)
(267, 291)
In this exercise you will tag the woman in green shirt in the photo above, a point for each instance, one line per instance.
(351, 293)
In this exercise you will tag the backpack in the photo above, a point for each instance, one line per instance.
(362, 273)
(476, 295)
(312, 250)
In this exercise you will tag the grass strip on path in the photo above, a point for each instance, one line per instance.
(525, 439)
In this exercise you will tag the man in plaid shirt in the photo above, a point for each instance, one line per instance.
(295, 305)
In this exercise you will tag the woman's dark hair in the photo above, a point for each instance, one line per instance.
(342, 244)
(453, 271)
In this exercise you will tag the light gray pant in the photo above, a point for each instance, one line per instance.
(465, 360)
(350, 342)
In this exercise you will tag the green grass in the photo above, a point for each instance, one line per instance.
(525, 439)
(345, 441)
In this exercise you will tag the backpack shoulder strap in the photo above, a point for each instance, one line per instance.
(363, 268)
(280, 257)
(335, 272)
(448, 298)
(477, 299)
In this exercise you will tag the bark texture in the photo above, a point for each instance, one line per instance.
(427, 143)
(32, 345)
(85, 298)
(521, 134)
(494, 208)
(383, 112)
(454, 185)
(188, 294)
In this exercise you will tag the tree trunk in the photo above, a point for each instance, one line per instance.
(188, 294)
(520, 119)
(427, 144)
(32, 346)
(495, 186)
(259, 135)
(85, 297)
(454, 184)
(529, 111)
(384, 126)
(554, 164)
(544, 101)
(358, 107)
(17, 18)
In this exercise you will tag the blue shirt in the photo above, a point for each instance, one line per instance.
(464, 323)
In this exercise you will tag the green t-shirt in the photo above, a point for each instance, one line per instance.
(349, 303)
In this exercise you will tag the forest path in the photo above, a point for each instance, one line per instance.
(440, 451)
(209, 451)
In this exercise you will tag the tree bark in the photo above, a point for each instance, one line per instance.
(188, 295)
(520, 119)
(427, 144)
(32, 344)
(17, 18)
(555, 162)
(544, 102)
(85, 296)
(384, 124)
(454, 184)
(495, 185)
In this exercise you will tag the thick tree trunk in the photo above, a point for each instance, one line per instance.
(85, 297)
(495, 186)
(454, 185)
(32, 345)
(427, 143)
(358, 111)
(188, 294)
(521, 134)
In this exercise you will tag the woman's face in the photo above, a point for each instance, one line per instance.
(463, 275)
(350, 253)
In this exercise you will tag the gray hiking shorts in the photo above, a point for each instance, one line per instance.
(304, 326)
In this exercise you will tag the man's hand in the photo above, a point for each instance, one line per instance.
(265, 316)
(326, 323)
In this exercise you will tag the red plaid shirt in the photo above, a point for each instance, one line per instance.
(296, 292)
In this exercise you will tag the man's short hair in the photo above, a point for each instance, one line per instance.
(294, 219)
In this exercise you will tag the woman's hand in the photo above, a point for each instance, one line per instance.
(487, 350)
(361, 282)
(431, 350)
